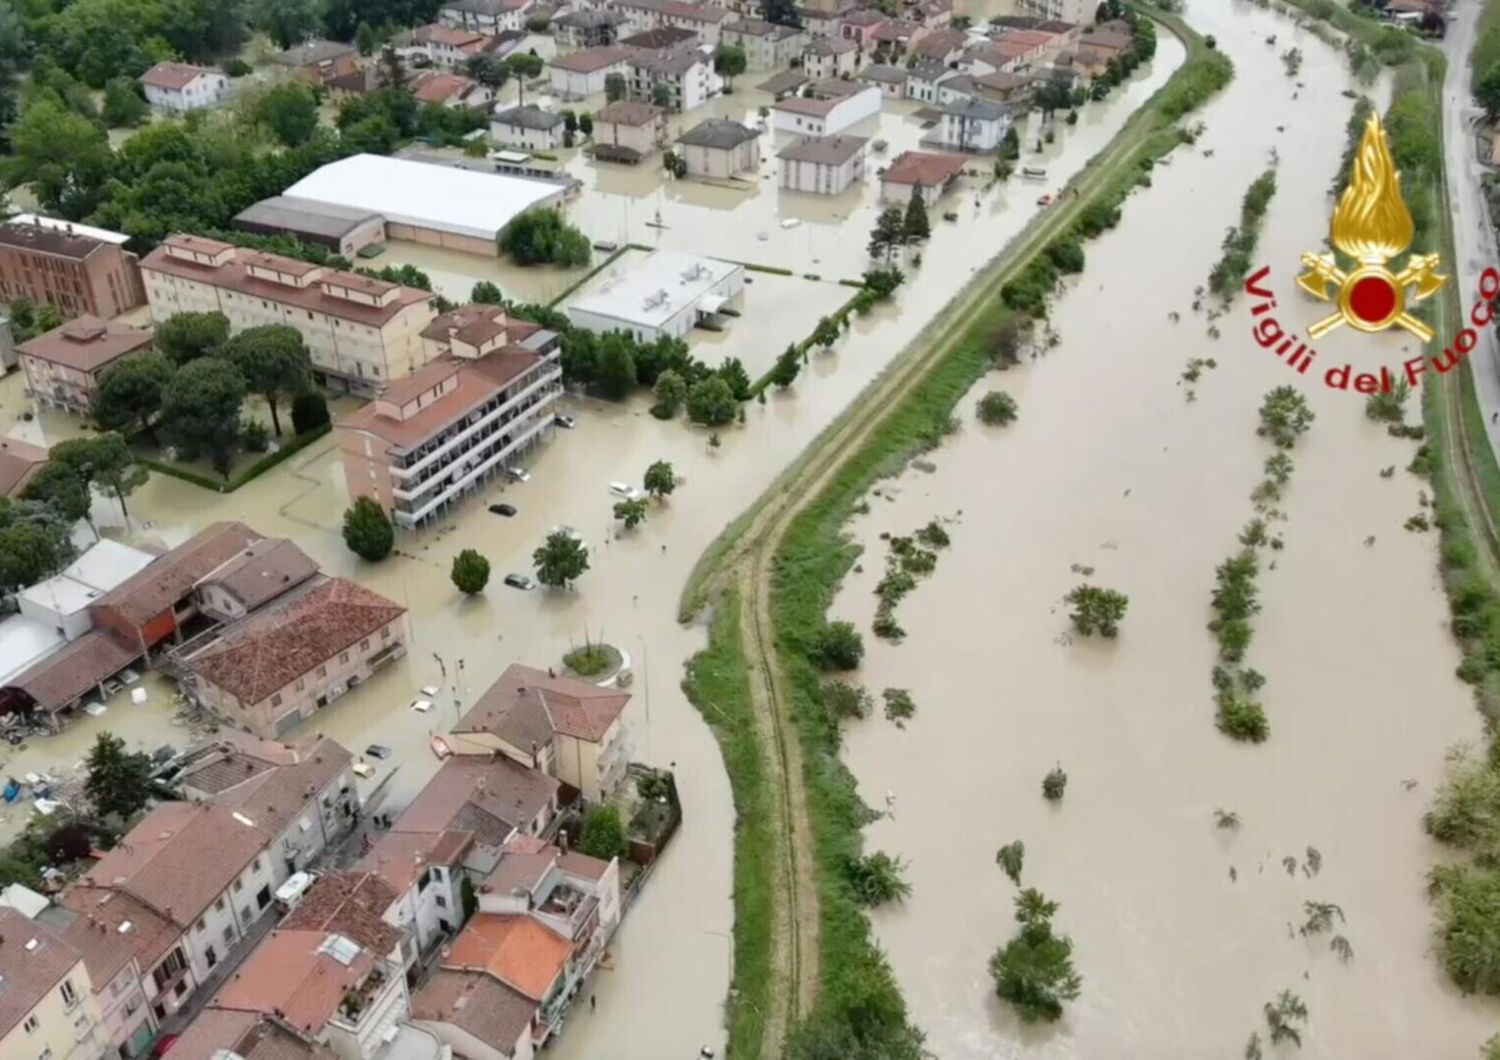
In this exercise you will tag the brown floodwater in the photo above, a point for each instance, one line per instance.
(663, 994)
(1182, 930)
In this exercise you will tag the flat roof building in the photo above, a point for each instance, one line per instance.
(447, 206)
(668, 293)
(345, 230)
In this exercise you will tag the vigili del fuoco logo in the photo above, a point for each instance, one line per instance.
(1372, 227)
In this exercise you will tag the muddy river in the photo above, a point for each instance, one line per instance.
(669, 970)
(1182, 930)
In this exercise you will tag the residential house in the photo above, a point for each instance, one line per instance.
(628, 131)
(82, 270)
(889, 80)
(895, 37)
(489, 796)
(920, 173)
(827, 58)
(19, 462)
(825, 18)
(823, 165)
(361, 332)
(997, 55)
(934, 14)
(685, 77)
(183, 86)
(279, 665)
(355, 905)
(450, 48)
(990, 88)
(317, 61)
(661, 39)
(47, 1007)
(425, 872)
(583, 74)
(476, 1015)
(485, 16)
(1077, 12)
(428, 441)
(568, 729)
(923, 78)
(215, 1034)
(946, 46)
(252, 577)
(972, 125)
(704, 19)
(588, 27)
(860, 26)
(63, 366)
(720, 149)
(828, 108)
(766, 44)
(529, 127)
(1029, 46)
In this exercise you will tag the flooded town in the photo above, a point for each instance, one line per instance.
(647, 529)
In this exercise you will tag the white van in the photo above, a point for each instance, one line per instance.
(291, 892)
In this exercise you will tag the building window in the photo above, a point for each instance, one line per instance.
(255, 865)
(199, 925)
(276, 700)
(238, 886)
(31, 1024)
(364, 645)
(219, 905)
(442, 903)
(69, 994)
(323, 671)
(343, 657)
(229, 935)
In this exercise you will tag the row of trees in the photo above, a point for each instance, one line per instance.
(897, 228)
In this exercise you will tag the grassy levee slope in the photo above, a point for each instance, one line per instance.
(792, 539)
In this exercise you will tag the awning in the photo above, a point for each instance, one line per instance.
(711, 303)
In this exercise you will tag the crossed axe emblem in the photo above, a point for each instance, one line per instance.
(1420, 271)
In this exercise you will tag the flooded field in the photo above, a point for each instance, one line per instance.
(1182, 930)
(669, 967)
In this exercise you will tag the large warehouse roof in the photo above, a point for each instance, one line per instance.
(425, 195)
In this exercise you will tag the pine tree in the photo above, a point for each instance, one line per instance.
(916, 227)
(786, 368)
(887, 233)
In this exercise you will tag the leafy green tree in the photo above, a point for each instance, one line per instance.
(488, 71)
(888, 233)
(64, 156)
(1282, 1011)
(1487, 91)
(524, 66)
(200, 408)
(787, 367)
(1011, 858)
(124, 106)
(185, 337)
(366, 39)
(614, 87)
(660, 480)
(104, 460)
(844, 700)
(781, 12)
(1034, 970)
(837, 646)
(661, 96)
(603, 834)
(471, 572)
(30, 552)
(586, 123)
(1285, 416)
(877, 878)
(996, 408)
(1097, 610)
(826, 333)
(729, 63)
(367, 531)
(129, 396)
(274, 362)
(631, 513)
(561, 560)
(1054, 784)
(60, 488)
(732, 371)
(287, 22)
(290, 111)
(616, 376)
(309, 412)
(915, 226)
(118, 781)
(711, 402)
(541, 236)
(670, 392)
(486, 293)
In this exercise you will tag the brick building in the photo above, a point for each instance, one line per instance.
(79, 269)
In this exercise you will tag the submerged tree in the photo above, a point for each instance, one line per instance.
(1034, 971)
(1097, 610)
(1282, 1012)
(1011, 857)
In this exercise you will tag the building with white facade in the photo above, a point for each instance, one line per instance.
(529, 126)
(62, 601)
(485, 16)
(1077, 12)
(766, 44)
(428, 441)
(686, 73)
(667, 293)
(920, 173)
(823, 165)
(361, 332)
(47, 1008)
(720, 149)
(832, 107)
(182, 86)
(584, 73)
(424, 871)
(704, 19)
(827, 58)
(971, 125)
(449, 47)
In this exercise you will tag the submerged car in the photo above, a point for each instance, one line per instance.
(506, 510)
(519, 581)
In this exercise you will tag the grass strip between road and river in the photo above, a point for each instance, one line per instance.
(807, 971)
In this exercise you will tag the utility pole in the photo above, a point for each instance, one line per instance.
(442, 671)
(458, 672)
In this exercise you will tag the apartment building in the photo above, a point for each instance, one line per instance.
(424, 872)
(766, 44)
(446, 46)
(829, 108)
(361, 332)
(63, 366)
(584, 73)
(568, 729)
(972, 125)
(827, 58)
(282, 663)
(628, 131)
(823, 165)
(47, 1008)
(588, 27)
(686, 73)
(80, 269)
(428, 441)
(706, 20)
(528, 127)
(720, 148)
(485, 16)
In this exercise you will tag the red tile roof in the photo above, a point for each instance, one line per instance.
(272, 797)
(111, 927)
(268, 650)
(526, 706)
(399, 857)
(349, 904)
(32, 962)
(75, 669)
(291, 975)
(920, 167)
(87, 343)
(591, 59)
(517, 950)
(476, 1003)
(173, 75)
(261, 571)
(18, 462)
(488, 795)
(171, 576)
(245, 1034)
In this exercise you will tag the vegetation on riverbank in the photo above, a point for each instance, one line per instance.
(859, 1010)
(1239, 242)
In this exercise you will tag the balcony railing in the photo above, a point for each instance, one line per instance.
(551, 372)
(411, 518)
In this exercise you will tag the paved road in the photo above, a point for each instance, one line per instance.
(1472, 234)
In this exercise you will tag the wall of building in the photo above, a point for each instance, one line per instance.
(105, 284)
(58, 385)
(466, 1045)
(204, 91)
(321, 822)
(570, 84)
(819, 178)
(125, 1015)
(529, 139)
(721, 164)
(60, 1029)
(641, 138)
(433, 237)
(222, 925)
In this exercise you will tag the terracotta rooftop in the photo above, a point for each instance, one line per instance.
(399, 857)
(173, 75)
(291, 974)
(273, 797)
(87, 344)
(76, 668)
(461, 322)
(439, 88)
(940, 43)
(591, 59)
(577, 864)
(517, 950)
(920, 167)
(829, 46)
(18, 462)
(526, 706)
(172, 575)
(32, 962)
(230, 759)
(629, 112)
(270, 648)
(179, 859)
(248, 1035)
(447, 35)
(261, 571)
(111, 927)
(520, 870)
(488, 795)
(349, 904)
(476, 1003)
(60, 241)
(1031, 37)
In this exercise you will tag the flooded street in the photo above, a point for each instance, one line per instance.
(1182, 930)
(662, 995)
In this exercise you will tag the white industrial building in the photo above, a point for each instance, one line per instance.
(422, 202)
(62, 601)
(668, 293)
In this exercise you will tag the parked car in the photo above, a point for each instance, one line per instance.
(421, 706)
(630, 493)
(363, 769)
(565, 421)
(519, 474)
(519, 581)
(378, 751)
(506, 510)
